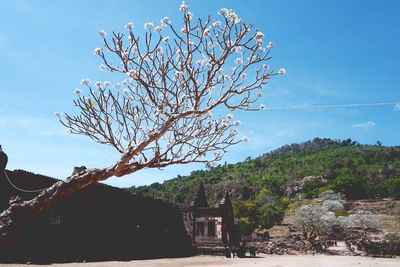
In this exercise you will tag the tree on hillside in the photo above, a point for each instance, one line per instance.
(161, 113)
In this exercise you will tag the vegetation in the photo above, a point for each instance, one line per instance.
(257, 186)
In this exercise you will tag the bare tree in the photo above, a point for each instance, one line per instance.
(162, 112)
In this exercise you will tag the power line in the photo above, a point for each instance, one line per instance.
(396, 104)
(20, 189)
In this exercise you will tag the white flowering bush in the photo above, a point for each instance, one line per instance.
(314, 221)
(364, 219)
(332, 205)
(331, 195)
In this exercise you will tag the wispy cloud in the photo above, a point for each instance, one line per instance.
(397, 106)
(364, 125)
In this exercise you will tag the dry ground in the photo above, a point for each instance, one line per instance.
(263, 260)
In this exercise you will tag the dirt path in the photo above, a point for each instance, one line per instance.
(263, 260)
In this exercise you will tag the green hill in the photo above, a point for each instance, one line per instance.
(258, 185)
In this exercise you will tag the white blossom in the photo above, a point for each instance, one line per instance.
(159, 51)
(165, 21)
(227, 77)
(239, 61)
(259, 35)
(85, 81)
(206, 33)
(223, 12)
(229, 116)
(234, 132)
(57, 113)
(102, 67)
(133, 74)
(158, 29)
(178, 73)
(148, 25)
(238, 49)
(102, 33)
(184, 30)
(237, 123)
(243, 75)
(259, 94)
(270, 45)
(245, 139)
(262, 106)
(166, 39)
(126, 90)
(189, 15)
(106, 83)
(129, 26)
(184, 7)
(98, 84)
(97, 51)
(77, 91)
(217, 24)
(282, 71)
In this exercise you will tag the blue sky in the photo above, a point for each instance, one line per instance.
(335, 52)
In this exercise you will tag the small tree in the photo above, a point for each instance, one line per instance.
(313, 221)
(161, 113)
(364, 219)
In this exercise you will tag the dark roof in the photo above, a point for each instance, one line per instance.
(226, 201)
(200, 200)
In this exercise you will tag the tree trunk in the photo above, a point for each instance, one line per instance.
(17, 215)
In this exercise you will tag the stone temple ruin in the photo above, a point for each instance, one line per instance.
(212, 229)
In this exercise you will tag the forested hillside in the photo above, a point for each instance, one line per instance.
(257, 186)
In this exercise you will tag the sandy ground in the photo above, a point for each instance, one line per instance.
(263, 260)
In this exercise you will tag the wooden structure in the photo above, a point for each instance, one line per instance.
(100, 222)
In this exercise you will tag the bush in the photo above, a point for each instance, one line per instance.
(271, 214)
(352, 187)
(375, 189)
(391, 237)
(393, 187)
(332, 205)
(330, 195)
(341, 213)
(310, 189)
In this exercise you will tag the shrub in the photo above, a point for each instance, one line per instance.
(364, 219)
(310, 189)
(393, 187)
(330, 195)
(339, 213)
(391, 237)
(271, 214)
(332, 205)
(352, 187)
